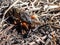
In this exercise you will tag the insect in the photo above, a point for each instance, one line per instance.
(22, 20)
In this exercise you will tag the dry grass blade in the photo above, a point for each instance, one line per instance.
(30, 22)
(8, 28)
(7, 11)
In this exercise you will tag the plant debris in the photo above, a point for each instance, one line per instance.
(29, 22)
